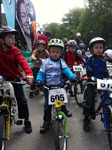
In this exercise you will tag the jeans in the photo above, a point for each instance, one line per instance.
(35, 71)
(23, 112)
(47, 108)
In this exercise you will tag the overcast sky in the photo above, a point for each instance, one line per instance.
(48, 11)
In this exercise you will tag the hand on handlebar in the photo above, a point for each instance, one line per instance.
(73, 81)
(30, 79)
(38, 85)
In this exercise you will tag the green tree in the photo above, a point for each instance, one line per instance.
(71, 22)
(97, 18)
(54, 28)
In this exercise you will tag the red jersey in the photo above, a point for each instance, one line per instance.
(10, 61)
(70, 58)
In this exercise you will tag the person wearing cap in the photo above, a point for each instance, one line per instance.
(46, 37)
(95, 67)
(10, 59)
(80, 43)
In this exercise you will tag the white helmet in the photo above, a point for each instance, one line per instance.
(109, 53)
(79, 51)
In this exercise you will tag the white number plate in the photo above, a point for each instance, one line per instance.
(78, 68)
(59, 94)
(109, 67)
(104, 84)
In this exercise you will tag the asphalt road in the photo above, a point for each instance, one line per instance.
(78, 139)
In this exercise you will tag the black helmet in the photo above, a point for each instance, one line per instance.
(40, 42)
(48, 33)
(4, 30)
(96, 40)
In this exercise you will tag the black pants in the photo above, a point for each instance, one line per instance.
(23, 111)
(89, 100)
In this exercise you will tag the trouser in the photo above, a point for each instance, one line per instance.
(35, 72)
(89, 100)
(47, 108)
(23, 112)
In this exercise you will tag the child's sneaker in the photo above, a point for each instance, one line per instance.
(28, 127)
(86, 126)
(31, 95)
(67, 113)
(45, 127)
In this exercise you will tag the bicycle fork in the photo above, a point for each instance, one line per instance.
(61, 116)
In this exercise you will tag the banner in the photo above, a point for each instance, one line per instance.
(9, 8)
(32, 16)
(23, 21)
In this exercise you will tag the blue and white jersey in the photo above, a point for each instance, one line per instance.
(51, 72)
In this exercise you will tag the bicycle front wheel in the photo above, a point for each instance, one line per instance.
(78, 93)
(2, 131)
(60, 139)
(109, 128)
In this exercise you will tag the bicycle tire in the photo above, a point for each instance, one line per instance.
(13, 108)
(60, 139)
(2, 131)
(78, 93)
(109, 128)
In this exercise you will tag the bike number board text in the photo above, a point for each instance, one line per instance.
(59, 94)
(104, 84)
(78, 68)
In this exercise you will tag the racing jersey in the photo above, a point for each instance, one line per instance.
(96, 67)
(51, 72)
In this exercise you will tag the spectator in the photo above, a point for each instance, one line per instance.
(19, 45)
(46, 37)
(80, 43)
(65, 40)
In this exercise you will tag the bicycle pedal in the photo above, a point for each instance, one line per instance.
(19, 122)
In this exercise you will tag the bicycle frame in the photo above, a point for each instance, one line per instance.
(8, 120)
(56, 116)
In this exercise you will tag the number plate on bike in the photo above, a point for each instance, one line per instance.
(78, 68)
(59, 94)
(104, 84)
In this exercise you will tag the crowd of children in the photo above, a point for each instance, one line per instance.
(51, 70)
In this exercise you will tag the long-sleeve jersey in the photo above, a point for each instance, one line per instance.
(51, 72)
(10, 61)
(70, 58)
(96, 67)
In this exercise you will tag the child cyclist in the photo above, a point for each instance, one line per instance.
(10, 59)
(51, 72)
(71, 57)
(37, 55)
(95, 67)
